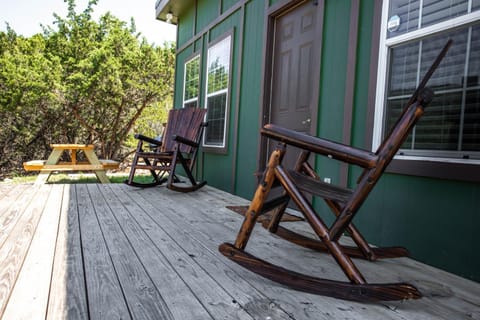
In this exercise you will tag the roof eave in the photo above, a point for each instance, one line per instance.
(175, 7)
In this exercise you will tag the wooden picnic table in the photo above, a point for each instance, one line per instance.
(53, 163)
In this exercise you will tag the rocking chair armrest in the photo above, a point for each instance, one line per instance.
(186, 141)
(321, 146)
(147, 139)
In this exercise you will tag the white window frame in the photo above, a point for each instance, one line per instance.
(384, 46)
(197, 56)
(219, 92)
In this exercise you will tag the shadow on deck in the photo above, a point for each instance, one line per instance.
(91, 251)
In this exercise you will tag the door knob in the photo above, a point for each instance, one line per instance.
(306, 121)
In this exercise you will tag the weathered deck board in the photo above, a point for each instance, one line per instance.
(201, 269)
(16, 245)
(12, 207)
(68, 295)
(143, 299)
(210, 295)
(104, 292)
(9, 190)
(116, 252)
(28, 301)
(141, 230)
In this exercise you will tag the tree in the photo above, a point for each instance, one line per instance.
(80, 82)
(28, 103)
(110, 76)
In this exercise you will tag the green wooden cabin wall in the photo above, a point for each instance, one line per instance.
(185, 28)
(435, 219)
(179, 75)
(249, 106)
(227, 4)
(218, 167)
(332, 86)
(207, 11)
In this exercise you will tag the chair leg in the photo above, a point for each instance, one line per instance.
(134, 164)
(172, 178)
(261, 194)
(273, 224)
(157, 180)
(319, 227)
(278, 212)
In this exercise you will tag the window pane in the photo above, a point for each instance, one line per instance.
(192, 78)
(438, 129)
(218, 66)
(403, 15)
(473, 79)
(216, 106)
(403, 70)
(471, 128)
(451, 72)
(407, 11)
(475, 5)
(435, 11)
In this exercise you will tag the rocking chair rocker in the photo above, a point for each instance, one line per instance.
(344, 203)
(180, 143)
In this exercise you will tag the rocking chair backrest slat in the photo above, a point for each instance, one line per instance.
(402, 129)
(187, 123)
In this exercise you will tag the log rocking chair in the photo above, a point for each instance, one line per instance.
(179, 145)
(302, 183)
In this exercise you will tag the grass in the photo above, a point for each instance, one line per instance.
(63, 178)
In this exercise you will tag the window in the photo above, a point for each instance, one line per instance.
(413, 33)
(218, 75)
(191, 82)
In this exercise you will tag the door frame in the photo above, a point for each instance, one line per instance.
(271, 14)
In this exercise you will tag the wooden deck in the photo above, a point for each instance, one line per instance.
(116, 252)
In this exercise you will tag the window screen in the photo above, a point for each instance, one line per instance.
(191, 82)
(218, 74)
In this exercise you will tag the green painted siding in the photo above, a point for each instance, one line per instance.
(179, 74)
(198, 45)
(250, 105)
(362, 74)
(435, 219)
(332, 85)
(231, 23)
(227, 4)
(185, 28)
(207, 12)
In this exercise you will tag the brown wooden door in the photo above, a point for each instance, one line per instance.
(296, 69)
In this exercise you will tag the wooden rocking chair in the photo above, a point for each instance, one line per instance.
(180, 143)
(344, 203)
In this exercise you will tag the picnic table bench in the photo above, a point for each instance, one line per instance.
(53, 163)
